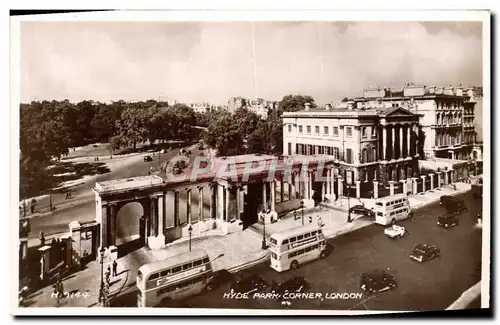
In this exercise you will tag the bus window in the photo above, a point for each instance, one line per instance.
(205, 260)
(285, 242)
(380, 204)
(164, 273)
(176, 269)
(308, 249)
(300, 237)
(314, 233)
(320, 232)
(139, 275)
(186, 266)
(300, 252)
(153, 276)
(292, 239)
(273, 241)
(197, 263)
(307, 235)
(380, 214)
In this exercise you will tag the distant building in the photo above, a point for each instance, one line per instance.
(171, 102)
(236, 103)
(201, 107)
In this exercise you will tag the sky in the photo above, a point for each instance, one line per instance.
(213, 61)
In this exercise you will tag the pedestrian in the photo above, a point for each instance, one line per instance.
(107, 274)
(33, 204)
(310, 219)
(42, 239)
(320, 222)
(115, 267)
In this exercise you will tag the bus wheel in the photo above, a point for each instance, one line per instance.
(393, 221)
(323, 254)
(294, 265)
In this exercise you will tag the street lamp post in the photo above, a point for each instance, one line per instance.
(264, 245)
(101, 290)
(302, 209)
(190, 230)
(348, 203)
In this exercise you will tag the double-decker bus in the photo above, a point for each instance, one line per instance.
(392, 208)
(176, 277)
(296, 246)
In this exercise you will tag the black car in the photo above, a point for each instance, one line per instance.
(248, 284)
(361, 210)
(378, 281)
(296, 284)
(423, 252)
(452, 204)
(447, 220)
(219, 278)
(148, 158)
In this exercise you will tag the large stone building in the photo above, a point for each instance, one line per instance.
(366, 144)
(447, 116)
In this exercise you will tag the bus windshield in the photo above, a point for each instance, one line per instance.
(273, 241)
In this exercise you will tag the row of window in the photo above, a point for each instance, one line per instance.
(179, 268)
(305, 250)
(367, 154)
(449, 105)
(300, 237)
(395, 212)
(182, 284)
(446, 139)
(448, 118)
(390, 203)
(335, 130)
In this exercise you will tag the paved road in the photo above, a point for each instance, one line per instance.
(428, 286)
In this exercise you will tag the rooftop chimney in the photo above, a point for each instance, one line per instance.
(307, 106)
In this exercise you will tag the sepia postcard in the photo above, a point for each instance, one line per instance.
(250, 163)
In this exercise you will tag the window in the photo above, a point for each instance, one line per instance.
(364, 155)
(289, 128)
(300, 237)
(293, 239)
(317, 129)
(308, 249)
(335, 131)
(197, 263)
(307, 235)
(300, 128)
(164, 273)
(348, 132)
(308, 129)
(363, 132)
(336, 153)
(285, 242)
(348, 156)
(374, 154)
(326, 130)
(186, 266)
(154, 276)
(374, 131)
(176, 269)
(313, 233)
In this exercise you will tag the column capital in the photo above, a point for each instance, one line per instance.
(375, 181)
(431, 174)
(423, 176)
(391, 182)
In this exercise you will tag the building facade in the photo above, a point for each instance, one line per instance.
(447, 116)
(366, 144)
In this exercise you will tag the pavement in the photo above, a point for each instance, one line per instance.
(241, 250)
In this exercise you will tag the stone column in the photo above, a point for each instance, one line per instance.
(176, 208)
(393, 140)
(273, 196)
(358, 189)
(432, 181)
(414, 184)
(423, 183)
(161, 216)
(188, 204)
(212, 199)
(296, 185)
(375, 189)
(153, 215)
(384, 142)
(401, 155)
(340, 187)
(408, 140)
(264, 195)
(447, 177)
(403, 186)
(309, 181)
(104, 226)
(200, 203)
(439, 178)
(112, 224)
(290, 187)
(391, 187)
(226, 203)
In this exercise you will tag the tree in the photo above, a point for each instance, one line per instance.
(246, 120)
(293, 103)
(132, 124)
(223, 135)
(104, 123)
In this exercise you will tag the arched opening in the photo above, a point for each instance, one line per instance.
(130, 228)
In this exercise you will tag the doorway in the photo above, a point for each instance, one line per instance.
(253, 201)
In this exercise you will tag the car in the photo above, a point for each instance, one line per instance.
(452, 204)
(424, 252)
(249, 284)
(378, 281)
(447, 220)
(395, 232)
(219, 278)
(148, 158)
(296, 284)
(477, 190)
(361, 210)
